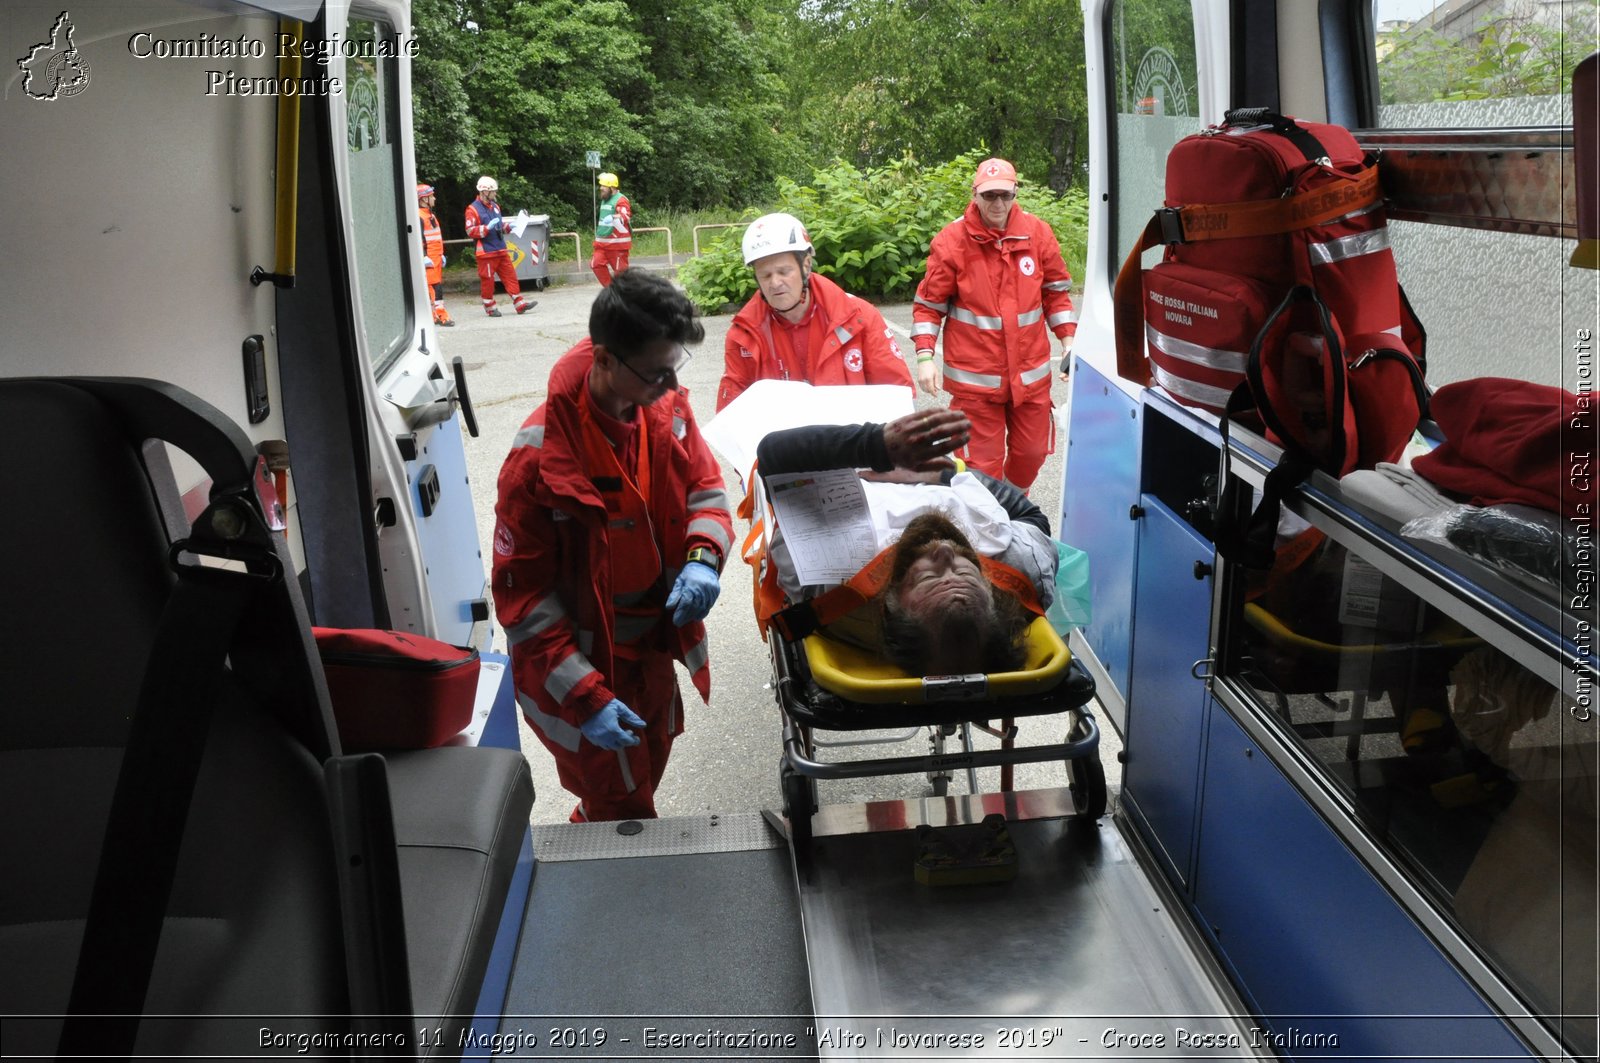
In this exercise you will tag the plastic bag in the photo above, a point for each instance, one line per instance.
(1071, 606)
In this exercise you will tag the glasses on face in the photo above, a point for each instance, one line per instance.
(997, 197)
(664, 376)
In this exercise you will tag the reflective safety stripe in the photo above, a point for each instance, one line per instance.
(1210, 357)
(696, 656)
(679, 427)
(531, 436)
(1024, 320)
(1036, 374)
(842, 334)
(943, 308)
(566, 676)
(713, 530)
(967, 317)
(978, 380)
(627, 772)
(1058, 286)
(1061, 317)
(630, 628)
(540, 617)
(925, 328)
(559, 731)
(1352, 246)
(1204, 394)
(712, 497)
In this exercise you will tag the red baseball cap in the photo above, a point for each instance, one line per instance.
(994, 174)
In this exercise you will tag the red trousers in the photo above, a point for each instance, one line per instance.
(497, 264)
(608, 262)
(621, 783)
(1009, 442)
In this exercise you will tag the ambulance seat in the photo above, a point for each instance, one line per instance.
(259, 918)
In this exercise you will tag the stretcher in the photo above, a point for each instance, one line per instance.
(826, 685)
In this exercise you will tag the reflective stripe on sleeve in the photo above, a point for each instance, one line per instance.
(1036, 374)
(539, 618)
(713, 530)
(711, 497)
(1061, 317)
(1210, 357)
(529, 436)
(978, 380)
(942, 308)
(925, 328)
(566, 676)
(1058, 286)
(558, 730)
(696, 657)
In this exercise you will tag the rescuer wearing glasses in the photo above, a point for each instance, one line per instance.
(611, 529)
(998, 286)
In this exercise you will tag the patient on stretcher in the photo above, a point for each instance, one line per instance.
(964, 562)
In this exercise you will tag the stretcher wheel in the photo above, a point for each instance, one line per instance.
(1087, 781)
(799, 802)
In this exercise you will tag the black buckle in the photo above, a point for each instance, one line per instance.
(1171, 222)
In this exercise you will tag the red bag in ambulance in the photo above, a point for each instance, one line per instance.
(396, 690)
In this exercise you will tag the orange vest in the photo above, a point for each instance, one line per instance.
(432, 245)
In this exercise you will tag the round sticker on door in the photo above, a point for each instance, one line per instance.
(852, 359)
(1027, 265)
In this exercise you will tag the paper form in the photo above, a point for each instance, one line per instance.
(825, 522)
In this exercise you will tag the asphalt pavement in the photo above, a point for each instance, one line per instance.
(726, 761)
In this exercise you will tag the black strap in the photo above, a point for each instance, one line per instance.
(1251, 542)
(150, 806)
(1287, 128)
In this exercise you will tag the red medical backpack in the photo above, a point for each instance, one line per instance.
(1277, 294)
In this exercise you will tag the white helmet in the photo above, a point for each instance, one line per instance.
(773, 233)
(488, 184)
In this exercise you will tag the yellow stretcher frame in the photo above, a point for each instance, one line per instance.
(859, 675)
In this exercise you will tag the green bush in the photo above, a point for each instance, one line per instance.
(872, 228)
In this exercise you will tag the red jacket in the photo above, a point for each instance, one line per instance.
(857, 346)
(552, 567)
(1003, 296)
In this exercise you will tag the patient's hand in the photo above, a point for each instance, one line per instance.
(919, 441)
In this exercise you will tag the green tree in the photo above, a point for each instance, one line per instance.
(935, 77)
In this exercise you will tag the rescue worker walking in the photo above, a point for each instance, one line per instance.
(612, 528)
(488, 228)
(996, 282)
(433, 254)
(802, 326)
(613, 234)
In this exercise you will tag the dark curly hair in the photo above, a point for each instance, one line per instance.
(639, 308)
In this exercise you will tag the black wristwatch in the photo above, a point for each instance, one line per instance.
(705, 556)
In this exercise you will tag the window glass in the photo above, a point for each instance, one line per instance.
(379, 210)
(1476, 774)
(1479, 63)
(1155, 103)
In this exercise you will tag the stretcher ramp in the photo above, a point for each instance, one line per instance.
(1079, 956)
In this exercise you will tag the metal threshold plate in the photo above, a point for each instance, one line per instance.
(1079, 956)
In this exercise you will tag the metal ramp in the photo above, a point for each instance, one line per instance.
(1079, 956)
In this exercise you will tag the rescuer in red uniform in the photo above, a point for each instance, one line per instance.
(612, 528)
(998, 286)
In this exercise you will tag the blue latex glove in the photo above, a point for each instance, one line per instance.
(605, 728)
(694, 593)
(494, 225)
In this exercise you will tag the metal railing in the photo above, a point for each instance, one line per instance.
(577, 245)
(659, 229)
(713, 225)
